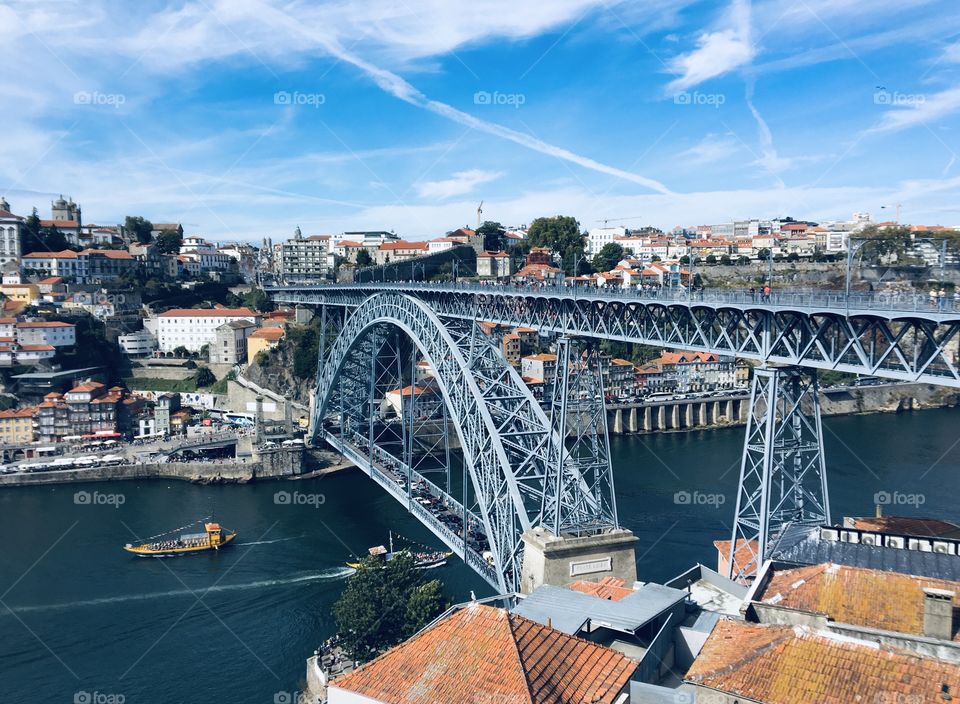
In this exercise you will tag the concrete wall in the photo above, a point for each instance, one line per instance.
(272, 464)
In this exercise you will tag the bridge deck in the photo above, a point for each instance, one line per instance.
(436, 509)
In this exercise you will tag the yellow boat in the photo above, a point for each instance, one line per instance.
(213, 538)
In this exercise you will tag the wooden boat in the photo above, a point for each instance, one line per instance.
(214, 537)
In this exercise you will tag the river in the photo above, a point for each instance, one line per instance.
(82, 621)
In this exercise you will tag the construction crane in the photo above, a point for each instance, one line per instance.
(632, 217)
(479, 213)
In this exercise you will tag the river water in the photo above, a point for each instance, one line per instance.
(82, 621)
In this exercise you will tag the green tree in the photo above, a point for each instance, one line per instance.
(725, 260)
(383, 604)
(743, 260)
(53, 240)
(492, 234)
(139, 227)
(181, 351)
(364, 258)
(560, 234)
(763, 254)
(607, 257)
(685, 260)
(793, 257)
(204, 377)
(169, 241)
(711, 259)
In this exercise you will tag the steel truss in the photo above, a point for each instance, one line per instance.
(910, 346)
(504, 435)
(783, 478)
(578, 497)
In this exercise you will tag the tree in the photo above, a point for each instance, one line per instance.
(492, 234)
(685, 260)
(793, 257)
(204, 377)
(560, 234)
(364, 258)
(139, 227)
(764, 254)
(743, 260)
(169, 241)
(383, 604)
(711, 259)
(608, 256)
(725, 260)
(53, 240)
(181, 351)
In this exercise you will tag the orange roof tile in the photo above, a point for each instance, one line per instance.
(18, 413)
(609, 588)
(745, 552)
(787, 665)
(908, 525)
(484, 652)
(889, 601)
(45, 324)
(272, 334)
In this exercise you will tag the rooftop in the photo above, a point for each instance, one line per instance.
(855, 595)
(481, 653)
(908, 525)
(272, 334)
(793, 665)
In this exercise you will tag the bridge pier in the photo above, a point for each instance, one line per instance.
(559, 561)
(783, 477)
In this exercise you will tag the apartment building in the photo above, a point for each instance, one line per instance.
(86, 409)
(16, 426)
(89, 266)
(54, 333)
(230, 342)
(193, 328)
(305, 259)
(10, 228)
(539, 366)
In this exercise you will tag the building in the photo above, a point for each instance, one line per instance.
(13, 353)
(63, 211)
(205, 256)
(426, 398)
(230, 342)
(137, 344)
(262, 339)
(166, 406)
(193, 328)
(599, 236)
(493, 264)
(619, 378)
(539, 268)
(399, 250)
(16, 426)
(11, 227)
(88, 408)
(54, 333)
(485, 654)
(696, 371)
(511, 349)
(745, 662)
(21, 293)
(90, 266)
(305, 259)
(540, 366)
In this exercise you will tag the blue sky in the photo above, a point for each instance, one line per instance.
(245, 118)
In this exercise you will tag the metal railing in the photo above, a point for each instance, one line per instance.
(794, 298)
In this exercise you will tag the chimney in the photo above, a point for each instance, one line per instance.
(938, 613)
(879, 511)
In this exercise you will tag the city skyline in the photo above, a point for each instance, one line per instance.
(244, 119)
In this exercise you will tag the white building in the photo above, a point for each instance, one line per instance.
(47, 332)
(599, 236)
(138, 343)
(305, 259)
(10, 227)
(194, 328)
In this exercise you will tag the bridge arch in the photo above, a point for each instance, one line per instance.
(503, 432)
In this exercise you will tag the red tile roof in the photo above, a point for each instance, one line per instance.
(609, 588)
(18, 413)
(792, 665)
(46, 324)
(59, 223)
(272, 334)
(906, 525)
(745, 552)
(889, 601)
(485, 654)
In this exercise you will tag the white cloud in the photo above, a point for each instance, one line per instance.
(711, 149)
(920, 110)
(459, 184)
(717, 52)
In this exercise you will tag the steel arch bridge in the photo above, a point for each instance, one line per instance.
(874, 336)
(513, 476)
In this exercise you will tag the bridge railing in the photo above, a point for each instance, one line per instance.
(793, 298)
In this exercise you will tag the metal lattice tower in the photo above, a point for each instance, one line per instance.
(783, 478)
(578, 491)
